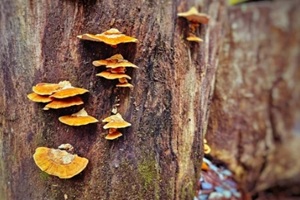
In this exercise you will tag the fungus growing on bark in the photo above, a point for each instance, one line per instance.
(67, 90)
(112, 37)
(111, 76)
(113, 123)
(63, 103)
(114, 61)
(113, 133)
(78, 119)
(194, 18)
(59, 162)
(39, 98)
(194, 38)
(45, 88)
(115, 69)
(124, 85)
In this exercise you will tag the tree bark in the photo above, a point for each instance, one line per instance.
(159, 156)
(254, 117)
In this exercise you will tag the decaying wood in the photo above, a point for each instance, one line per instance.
(159, 156)
(254, 116)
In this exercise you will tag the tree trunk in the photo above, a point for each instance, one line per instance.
(254, 117)
(159, 156)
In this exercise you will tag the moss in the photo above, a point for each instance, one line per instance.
(148, 172)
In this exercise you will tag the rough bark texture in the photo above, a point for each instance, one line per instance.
(254, 117)
(159, 156)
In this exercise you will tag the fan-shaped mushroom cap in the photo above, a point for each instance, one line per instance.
(39, 98)
(118, 70)
(115, 61)
(64, 103)
(59, 162)
(112, 76)
(45, 88)
(115, 121)
(124, 85)
(194, 39)
(194, 16)
(68, 92)
(111, 37)
(116, 117)
(78, 119)
(113, 135)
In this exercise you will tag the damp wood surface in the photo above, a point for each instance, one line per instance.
(159, 156)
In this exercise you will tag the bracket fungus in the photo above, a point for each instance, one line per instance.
(64, 103)
(194, 18)
(67, 90)
(113, 133)
(115, 69)
(112, 37)
(114, 61)
(59, 162)
(57, 95)
(39, 98)
(78, 119)
(113, 123)
(45, 88)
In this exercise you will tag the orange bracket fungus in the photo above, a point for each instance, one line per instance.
(112, 37)
(39, 98)
(194, 18)
(63, 103)
(78, 119)
(113, 123)
(114, 61)
(67, 90)
(59, 162)
(45, 88)
(116, 68)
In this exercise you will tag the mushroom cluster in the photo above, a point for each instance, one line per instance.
(194, 18)
(115, 69)
(56, 95)
(62, 95)
(59, 162)
(113, 123)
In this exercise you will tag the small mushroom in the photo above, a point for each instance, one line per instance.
(124, 85)
(64, 103)
(114, 61)
(207, 149)
(78, 119)
(59, 162)
(45, 88)
(111, 76)
(113, 133)
(193, 16)
(115, 121)
(112, 37)
(194, 38)
(39, 98)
